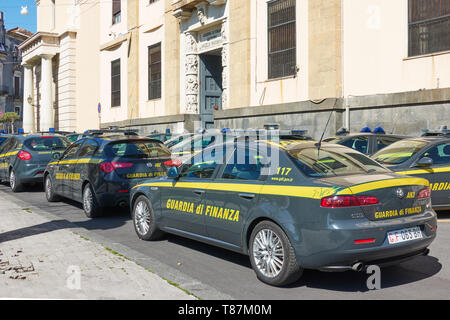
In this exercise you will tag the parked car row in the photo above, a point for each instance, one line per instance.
(280, 197)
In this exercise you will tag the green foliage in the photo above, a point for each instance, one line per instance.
(9, 117)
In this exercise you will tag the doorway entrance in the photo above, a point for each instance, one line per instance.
(210, 87)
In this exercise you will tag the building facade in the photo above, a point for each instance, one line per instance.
(185, 64)
(61, 67)
(11, 71)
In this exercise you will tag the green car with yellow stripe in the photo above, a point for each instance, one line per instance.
(424, 157)
(99, 171)
(23, 158)
(290, 206)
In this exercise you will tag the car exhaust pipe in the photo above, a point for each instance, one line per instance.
(358, 267)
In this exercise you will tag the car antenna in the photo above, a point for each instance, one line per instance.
(319, 144)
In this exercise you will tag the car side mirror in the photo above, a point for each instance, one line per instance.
(173, 173)
(425, 162)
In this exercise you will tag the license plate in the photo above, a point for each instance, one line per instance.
(404, 235)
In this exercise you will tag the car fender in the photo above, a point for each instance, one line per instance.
(154, 196)
(276, 209)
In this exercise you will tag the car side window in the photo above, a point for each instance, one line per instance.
(72, 151)
(243, 165)
(89, 148)
(8, 145)
(383, 142)
(201, 166)
(440, 154)
(359, 144)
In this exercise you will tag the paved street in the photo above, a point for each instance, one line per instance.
(212, 273)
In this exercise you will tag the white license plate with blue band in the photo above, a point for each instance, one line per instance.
(404, 235)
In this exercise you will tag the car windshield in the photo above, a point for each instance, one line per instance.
(333, 162)
(73, 137)
(46, 143)
(399, 152)
(199, 142)
(137, 149)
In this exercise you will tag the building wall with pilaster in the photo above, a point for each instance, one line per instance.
(151, 32)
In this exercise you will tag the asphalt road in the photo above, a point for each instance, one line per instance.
(231, 274)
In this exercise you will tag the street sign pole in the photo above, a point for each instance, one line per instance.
(99, 110)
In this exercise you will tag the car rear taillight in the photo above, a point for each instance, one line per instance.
(109, 167)
(348, 201)
(173, 163)
(424, 193)
(23, 155)
(364, 241)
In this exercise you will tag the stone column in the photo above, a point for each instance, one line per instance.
(28, 110)
(46, 105)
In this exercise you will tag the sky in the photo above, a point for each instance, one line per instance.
(13, 18)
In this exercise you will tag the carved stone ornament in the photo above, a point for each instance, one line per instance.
(192, 64)
(191, 84)
(191, 104)
(191, 42)
(225, 55)
(202, 12)
(224, 31)
(201, 15)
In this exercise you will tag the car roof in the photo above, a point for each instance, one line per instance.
(121, 138)
(37, 135)
(430, 139)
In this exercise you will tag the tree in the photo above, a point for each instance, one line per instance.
(10, 117)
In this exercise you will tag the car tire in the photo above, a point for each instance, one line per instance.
(49, 191)
(14, 183)
(144, 220)
(274, 260)
(91, 206)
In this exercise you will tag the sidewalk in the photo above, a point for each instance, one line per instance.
(39, 259)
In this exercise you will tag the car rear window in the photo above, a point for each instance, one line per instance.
(333, 162)
(46, 143)
(399, 152)
(137, 149)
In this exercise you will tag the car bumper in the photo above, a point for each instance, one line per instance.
(30, 173)
(337, 251)
(115, 193)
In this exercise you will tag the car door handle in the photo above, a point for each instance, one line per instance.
(248, 196)
(199, 192)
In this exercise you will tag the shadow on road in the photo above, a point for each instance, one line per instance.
(416, 269)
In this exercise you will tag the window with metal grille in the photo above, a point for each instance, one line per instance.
(282, 38)
(154, 72)
(429, 26)
(116, 11)
(115, 83)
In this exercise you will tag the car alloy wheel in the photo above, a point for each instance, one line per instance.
(48, 188)
(268, 253)
(12, 179)
(87, 199)
(142, 218)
